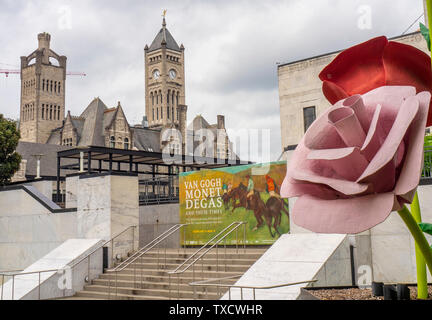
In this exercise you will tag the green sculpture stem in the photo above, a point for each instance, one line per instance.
(422, 288)
(418, 236)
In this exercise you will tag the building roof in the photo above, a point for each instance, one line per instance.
(146, 139)
(164, 36)
(337, 51)
(92, 133)
(48, 161)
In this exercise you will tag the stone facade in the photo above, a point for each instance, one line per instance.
(164, 79)
(300, 88)
(42, 106)
(43, 118)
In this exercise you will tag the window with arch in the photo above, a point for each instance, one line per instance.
(126, 143)
(168, 112)
(112, 142)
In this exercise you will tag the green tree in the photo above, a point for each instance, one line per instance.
(9, 159)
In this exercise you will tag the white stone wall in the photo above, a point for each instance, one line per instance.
(388, 248)
(28, 230)
(107, 205)
(156, 219)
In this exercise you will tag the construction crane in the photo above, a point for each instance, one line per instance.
(15, 71)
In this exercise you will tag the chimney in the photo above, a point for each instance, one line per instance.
(220, 121)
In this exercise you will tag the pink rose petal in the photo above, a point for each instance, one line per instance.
(343, 186)
(348, 126)
(375, 137)
(389, 148)
(342, 215)
(347, 163)
(412, 166)
(355, 102)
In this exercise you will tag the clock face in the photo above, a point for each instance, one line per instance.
(156, 74)
(172, 74)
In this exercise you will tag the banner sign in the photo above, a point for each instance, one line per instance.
(212, 199)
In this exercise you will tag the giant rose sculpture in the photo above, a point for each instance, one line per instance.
(360, 160)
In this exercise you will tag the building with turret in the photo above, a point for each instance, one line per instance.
(43, 79)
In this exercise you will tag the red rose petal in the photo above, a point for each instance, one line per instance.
(333, 92)
(408, 66)
(358, 69)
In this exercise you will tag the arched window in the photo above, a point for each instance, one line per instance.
(43, 113)
(152, 97)
(43, 84)
(157, 113)
(112, 142)
(51, 85)
(126, 143)
(161, 112)
(168, 113)
(50, 114)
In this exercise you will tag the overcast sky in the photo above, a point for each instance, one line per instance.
(232, 48)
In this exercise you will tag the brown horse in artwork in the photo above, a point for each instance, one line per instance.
(239, 193)
(269, 213)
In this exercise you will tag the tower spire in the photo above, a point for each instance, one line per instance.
(164, 27)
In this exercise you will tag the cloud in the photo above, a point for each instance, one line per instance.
(232, 48)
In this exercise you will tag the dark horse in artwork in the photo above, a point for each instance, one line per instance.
(239, 193)
(269, 212)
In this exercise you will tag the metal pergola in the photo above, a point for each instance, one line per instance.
(94, 159)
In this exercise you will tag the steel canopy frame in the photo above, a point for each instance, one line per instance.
(135, 159)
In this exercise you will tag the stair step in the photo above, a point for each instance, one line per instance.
(184, 286)
(174, 279)
(164, 273)
(208, 260)
(198, 267)
(174, 293)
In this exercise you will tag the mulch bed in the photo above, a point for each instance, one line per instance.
(358, 294)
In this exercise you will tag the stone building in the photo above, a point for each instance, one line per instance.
(220, 146)
(42, 107)
(43, 119)
(300, 96)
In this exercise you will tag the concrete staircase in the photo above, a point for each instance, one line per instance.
(147, 278)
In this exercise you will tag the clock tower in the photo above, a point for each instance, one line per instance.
(164, 80)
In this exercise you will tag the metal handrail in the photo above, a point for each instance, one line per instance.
(241, 287)
(142, 252)
(13, 274)
(149, 246)
(236, 223)
(225, 232)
